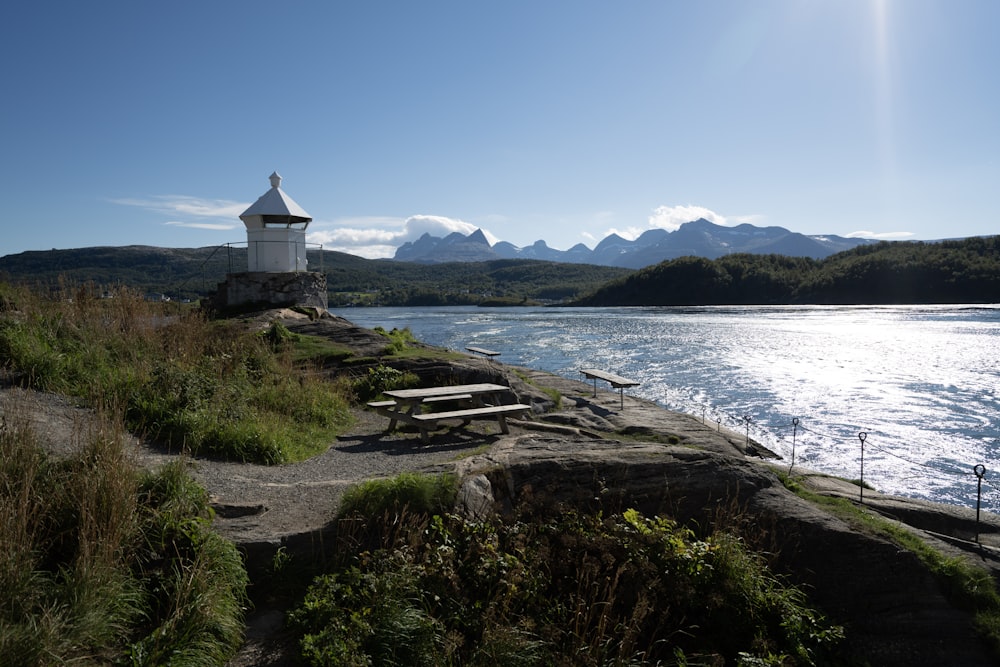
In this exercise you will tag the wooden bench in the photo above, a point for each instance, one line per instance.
(616, 381)
(429, 399)
(489, 354)
(428, 420)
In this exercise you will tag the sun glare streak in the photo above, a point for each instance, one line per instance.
(883, 103)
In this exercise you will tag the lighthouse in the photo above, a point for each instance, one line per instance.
(277, 275)
(276, 232)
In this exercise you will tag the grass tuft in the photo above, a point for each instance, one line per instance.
(413, 492)
(102, 564)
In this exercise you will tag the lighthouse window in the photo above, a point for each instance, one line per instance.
(282, 221)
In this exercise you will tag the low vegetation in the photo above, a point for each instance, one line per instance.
(422, 587)
(101, 563)
(207, 387)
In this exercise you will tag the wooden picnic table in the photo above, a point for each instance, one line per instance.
(616, 381)
(405, 405)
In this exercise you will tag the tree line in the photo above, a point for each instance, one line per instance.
(959, 271)
(192, 273)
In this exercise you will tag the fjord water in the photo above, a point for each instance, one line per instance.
(921, 382)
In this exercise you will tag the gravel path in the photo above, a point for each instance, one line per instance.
(256, 503)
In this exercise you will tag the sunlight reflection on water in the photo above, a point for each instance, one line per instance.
(921, 381)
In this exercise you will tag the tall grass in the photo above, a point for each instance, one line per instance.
(207, 387)
(103, 564)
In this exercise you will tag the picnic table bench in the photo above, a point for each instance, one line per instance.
(498, 411)
(426, 400)
(616, 381)
(405, 405)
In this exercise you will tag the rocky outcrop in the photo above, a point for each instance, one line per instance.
(894, 610)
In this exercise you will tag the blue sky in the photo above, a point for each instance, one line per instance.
(564, 120)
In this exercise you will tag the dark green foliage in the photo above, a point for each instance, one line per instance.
(507, 281)
(965, 271)
(382, 378)
(572, 590)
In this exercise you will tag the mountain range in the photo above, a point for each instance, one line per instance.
(699, 238)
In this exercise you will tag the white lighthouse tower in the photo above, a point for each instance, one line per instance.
(276, 232)
(276, 274)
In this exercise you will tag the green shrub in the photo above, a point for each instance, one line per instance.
(370, 618)
(278, 337)
(581, 590)
(199, 577)
(382, 378)
(399, 339)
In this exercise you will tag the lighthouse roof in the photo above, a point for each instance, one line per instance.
(276, 202)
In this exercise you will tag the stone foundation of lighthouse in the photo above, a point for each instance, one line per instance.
(247, 291)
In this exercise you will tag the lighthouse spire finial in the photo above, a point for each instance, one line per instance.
(275, 180)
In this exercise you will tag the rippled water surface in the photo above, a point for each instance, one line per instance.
(921, 382)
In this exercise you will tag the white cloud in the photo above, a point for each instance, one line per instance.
(671, 218)
(629, 233)
(202, 225)
(368, 236)
(185, 205)
(436, 225)
(380, 236)
(885, 236)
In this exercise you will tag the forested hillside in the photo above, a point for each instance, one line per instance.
(962, 271)
(194, 272)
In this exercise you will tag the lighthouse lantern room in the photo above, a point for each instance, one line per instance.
(276, 232)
